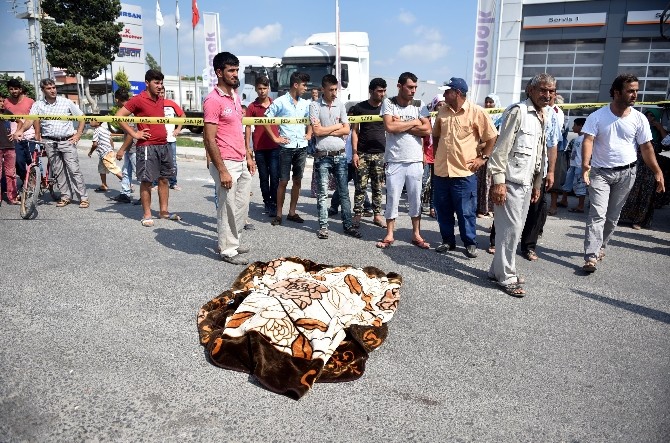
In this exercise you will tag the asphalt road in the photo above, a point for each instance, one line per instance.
(98, 338)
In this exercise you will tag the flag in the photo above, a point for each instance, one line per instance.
(159, 16)
(196, 13)
(176, 16)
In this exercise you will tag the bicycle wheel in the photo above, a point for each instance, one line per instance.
(31, 192)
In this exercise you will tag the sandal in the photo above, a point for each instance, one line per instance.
(491, 249)
(147, 222)
(601, 254)
(295, 218)
(100, 189)
(589, 266)
(385, 244)
(322, 233)
(530, 255)
(519, 279)
(63, 202)
(379, 223)
(276, 221)
(84, 204)
(421, 244)
(173, 217)
(513, 289)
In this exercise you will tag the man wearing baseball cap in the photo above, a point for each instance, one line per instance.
(459, 127)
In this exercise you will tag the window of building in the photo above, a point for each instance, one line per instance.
(649, 60)
(576, 65)
(189, 95)
(169, 94)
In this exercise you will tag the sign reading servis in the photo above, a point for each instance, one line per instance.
(565, 21)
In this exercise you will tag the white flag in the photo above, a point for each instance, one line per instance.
(176, 17)
(159, 16)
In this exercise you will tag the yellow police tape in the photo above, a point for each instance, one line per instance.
(264, 121)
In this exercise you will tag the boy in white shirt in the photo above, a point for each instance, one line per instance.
(573, 178)
(104, 146)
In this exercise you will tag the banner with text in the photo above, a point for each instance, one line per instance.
(483, 62)
(212, 46)
(131, 56)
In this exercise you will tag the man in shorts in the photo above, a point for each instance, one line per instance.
(293, 143)
(154, 159)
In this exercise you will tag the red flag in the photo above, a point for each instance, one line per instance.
(196, 13)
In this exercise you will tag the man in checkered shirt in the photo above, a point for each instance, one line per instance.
(62, 139)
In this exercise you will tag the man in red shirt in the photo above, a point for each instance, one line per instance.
(18, 103)
(232, 165)
(266, 150)
(154, 159)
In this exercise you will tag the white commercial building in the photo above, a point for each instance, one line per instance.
(585, 44)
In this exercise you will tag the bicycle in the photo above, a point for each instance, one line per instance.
(35, 183)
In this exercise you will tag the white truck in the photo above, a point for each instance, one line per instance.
(317, 57)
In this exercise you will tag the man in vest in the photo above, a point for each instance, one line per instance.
(516, 167)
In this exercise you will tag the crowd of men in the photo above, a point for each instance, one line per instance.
(460, 140)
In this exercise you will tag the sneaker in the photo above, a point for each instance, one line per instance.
(352, 232)
(235, 260)
(471, 251)
(332, 211)
(445, 247)
(122, 198)
(322, 234)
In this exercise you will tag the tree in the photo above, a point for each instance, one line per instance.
(122, 81)
(153, 64)
(82, 38)
(4, 91)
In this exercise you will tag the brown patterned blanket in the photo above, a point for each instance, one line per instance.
(291, 322)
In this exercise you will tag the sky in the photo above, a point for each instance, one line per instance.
(432, 41)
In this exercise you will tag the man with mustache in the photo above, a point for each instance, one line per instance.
(608, 163)
(516, 167)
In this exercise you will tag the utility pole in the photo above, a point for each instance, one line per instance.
(33, 14)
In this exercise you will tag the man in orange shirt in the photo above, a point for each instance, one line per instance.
(459, 127)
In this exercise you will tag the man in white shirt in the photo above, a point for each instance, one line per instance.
(608, 163)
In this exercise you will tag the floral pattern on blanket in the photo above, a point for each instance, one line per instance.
(291, 322)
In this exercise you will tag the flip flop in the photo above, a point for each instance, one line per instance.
(100, 189)
(513, 289)
(385, 244)
(589, 266)
(421, 244)
(173, 217)
(575, 210)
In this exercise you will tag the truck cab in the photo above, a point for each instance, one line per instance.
(317, 57)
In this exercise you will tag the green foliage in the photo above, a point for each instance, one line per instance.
(186, 77)
(121, 79)
(153, 64)
(4, 91)
(83, 37)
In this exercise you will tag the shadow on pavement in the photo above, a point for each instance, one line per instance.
(187, 241)
(653, 314)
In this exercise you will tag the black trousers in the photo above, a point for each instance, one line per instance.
(532, 229)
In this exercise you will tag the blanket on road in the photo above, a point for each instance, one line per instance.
(291, 322)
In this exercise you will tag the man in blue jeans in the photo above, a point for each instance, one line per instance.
(266, 151)
(127, 153)
(329, 125)
(459, 127)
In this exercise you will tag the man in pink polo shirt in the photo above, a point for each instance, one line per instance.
(154, 159)
(232, 165)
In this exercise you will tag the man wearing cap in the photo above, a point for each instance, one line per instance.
(459, 127)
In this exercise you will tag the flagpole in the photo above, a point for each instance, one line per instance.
(160, 46)
(177, 24)
(195, 76)
(338, 59)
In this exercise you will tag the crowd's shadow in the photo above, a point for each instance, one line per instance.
(653, 314)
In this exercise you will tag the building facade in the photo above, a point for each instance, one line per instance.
(585, 44)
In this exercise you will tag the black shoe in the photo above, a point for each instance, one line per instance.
(332, 211)
(235, 260)
(352, 232)
(295, 218)
(444, 248)
(122, 198)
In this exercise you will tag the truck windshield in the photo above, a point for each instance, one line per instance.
(315, 72)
